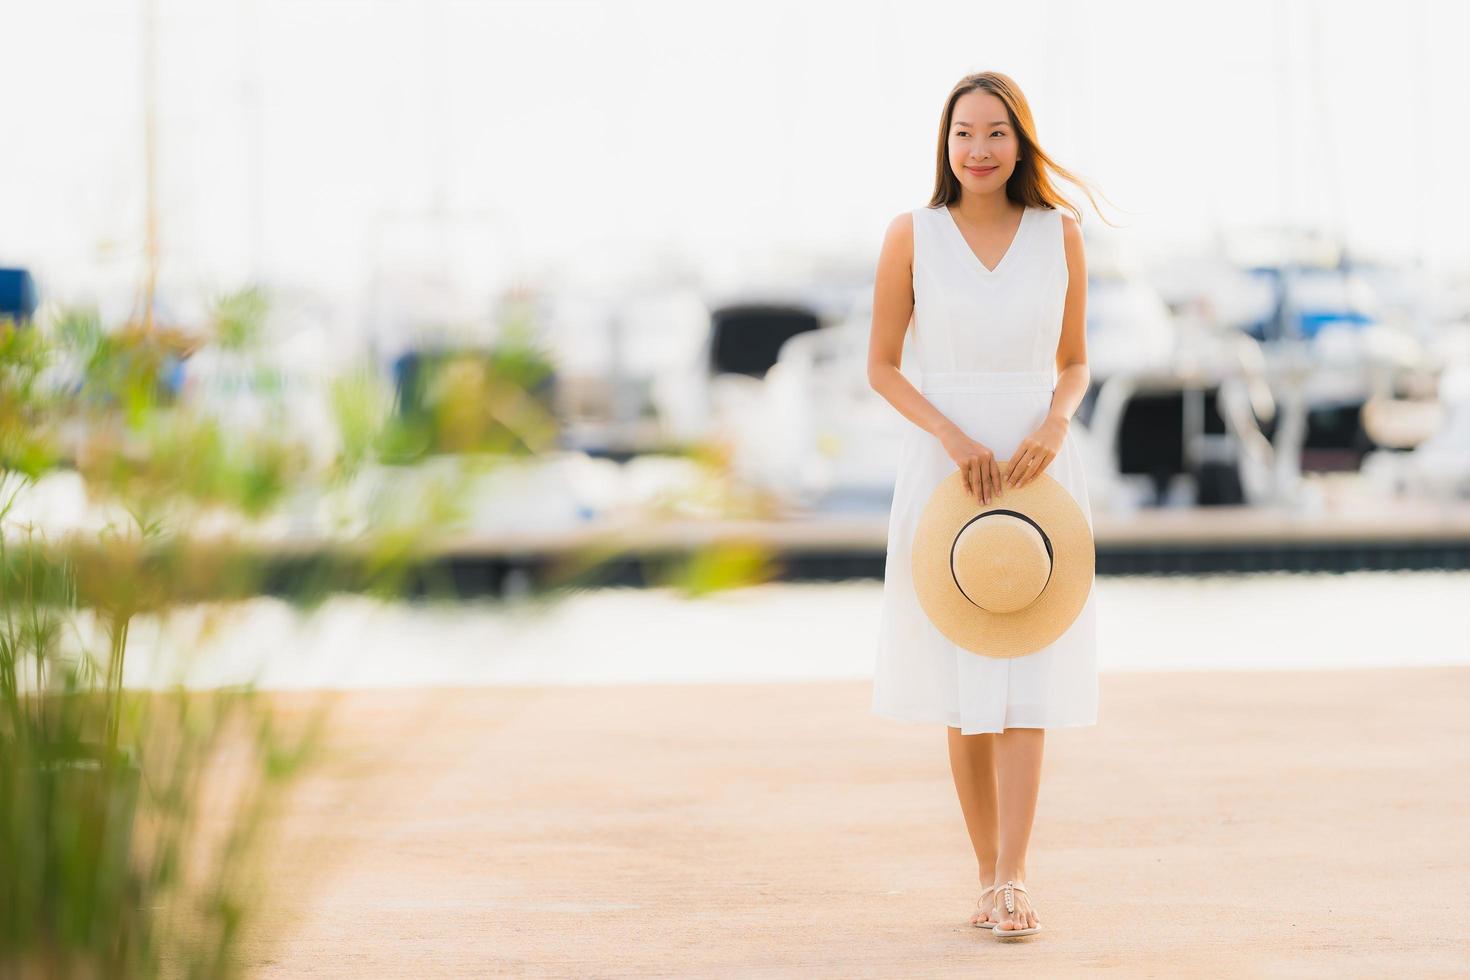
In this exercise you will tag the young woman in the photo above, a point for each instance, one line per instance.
(993, 276)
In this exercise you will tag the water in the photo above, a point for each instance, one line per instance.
(792, 632)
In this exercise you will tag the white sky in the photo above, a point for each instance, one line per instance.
(308, 141)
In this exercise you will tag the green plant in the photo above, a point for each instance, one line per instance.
(108, 869)
(131, 821)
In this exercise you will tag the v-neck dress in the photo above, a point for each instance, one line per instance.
(985, 341)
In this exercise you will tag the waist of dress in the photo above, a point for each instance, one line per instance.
(937, 381)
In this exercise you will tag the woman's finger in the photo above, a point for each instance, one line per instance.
(995, 473)
(1018, 468)
(1037, 464)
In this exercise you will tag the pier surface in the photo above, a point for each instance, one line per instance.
(1262, 824)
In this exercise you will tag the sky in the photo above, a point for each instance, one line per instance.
(326, 144)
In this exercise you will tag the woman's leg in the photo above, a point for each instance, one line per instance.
(1018, 772)
(972, 760)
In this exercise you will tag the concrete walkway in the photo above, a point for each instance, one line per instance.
(1249, 824)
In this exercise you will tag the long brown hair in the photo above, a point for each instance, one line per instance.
(1030, 184)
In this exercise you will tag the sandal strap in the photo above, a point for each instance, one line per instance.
(980, 903)
(1008, 898)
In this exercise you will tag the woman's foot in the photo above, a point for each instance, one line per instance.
(984, 915)
(1021, 916)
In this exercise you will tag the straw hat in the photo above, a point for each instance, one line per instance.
(1006, 578)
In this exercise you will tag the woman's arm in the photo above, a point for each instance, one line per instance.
(893, 308)
(1073, 375)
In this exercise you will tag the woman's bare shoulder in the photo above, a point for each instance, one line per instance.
(902, 224)
(899, 237)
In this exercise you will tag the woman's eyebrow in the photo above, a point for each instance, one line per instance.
(998, 122)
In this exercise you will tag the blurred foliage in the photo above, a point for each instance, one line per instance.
(239, 319)
(24, 407)
(145, 861)
(361, 406)
(472, 402)
(133, 823)
(165, 457)
(107, 870)
(720, 566)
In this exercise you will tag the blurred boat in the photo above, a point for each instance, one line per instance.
(17, 295)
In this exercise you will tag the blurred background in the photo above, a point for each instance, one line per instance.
(678, 208)
(493, 354)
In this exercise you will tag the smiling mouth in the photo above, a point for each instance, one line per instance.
(982, 170)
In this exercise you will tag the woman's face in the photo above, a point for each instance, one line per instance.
(982, 143)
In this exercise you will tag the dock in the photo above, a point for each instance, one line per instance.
(1413, 536)
(1408, 536)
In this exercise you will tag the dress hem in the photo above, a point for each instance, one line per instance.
(926, 719)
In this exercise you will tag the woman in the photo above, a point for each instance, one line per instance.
(994, 279)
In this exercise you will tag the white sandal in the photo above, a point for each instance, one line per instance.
(981, 909)
(1008, 894)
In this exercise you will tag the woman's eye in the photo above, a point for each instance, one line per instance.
(997, 133)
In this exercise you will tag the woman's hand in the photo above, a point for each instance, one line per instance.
(976, 461)
(1036, 451)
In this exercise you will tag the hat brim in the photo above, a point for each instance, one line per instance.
(1027, 630)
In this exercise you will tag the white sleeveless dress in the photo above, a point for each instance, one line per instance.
(986, 342)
